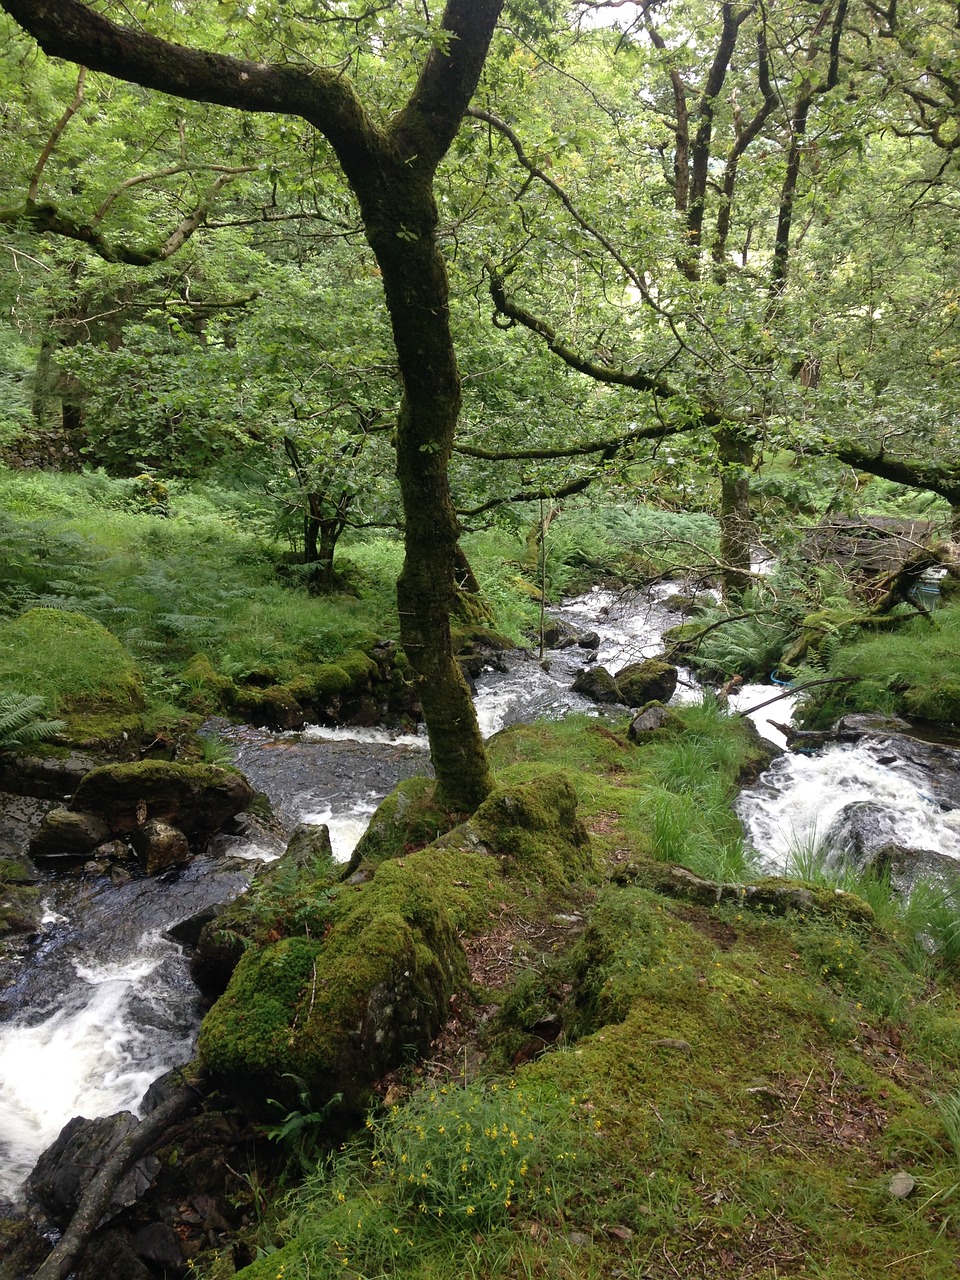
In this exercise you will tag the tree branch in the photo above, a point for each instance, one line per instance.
(55, 136)
(47, 219)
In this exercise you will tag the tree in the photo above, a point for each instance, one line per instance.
(674, 190)
(390, 168)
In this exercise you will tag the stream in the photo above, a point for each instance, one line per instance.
(105, 1003)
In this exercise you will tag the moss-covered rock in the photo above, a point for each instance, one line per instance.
(72, 661)
(198, 798)
(534, 829)
(772, 894)
(68, 835)
(293, 894)
(651, 681)
(340, 1010)
(274, 707)
(406, 819)
(597, 684)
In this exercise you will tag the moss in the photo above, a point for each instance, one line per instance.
(406, 819)
(274, 706)
(20, 909)
(330, 678)
(77, 665)
(12, 872)
(359, 666)
(534, 828)
(340, 1011)
(292, 896)
(106, 733)
(209, 690)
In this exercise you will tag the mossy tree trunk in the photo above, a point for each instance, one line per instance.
(400, 217)
(391, 170)
(735, 457)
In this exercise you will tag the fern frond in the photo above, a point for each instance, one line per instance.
(20, 726)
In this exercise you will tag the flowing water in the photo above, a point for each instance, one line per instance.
(105, 1004)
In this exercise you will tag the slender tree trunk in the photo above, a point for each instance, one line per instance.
(735, 455)
(400, 216)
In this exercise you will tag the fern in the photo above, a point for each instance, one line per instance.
(20, 726)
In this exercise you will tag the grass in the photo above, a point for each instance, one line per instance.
(910, 671)
(729, 1095)
(927, 922)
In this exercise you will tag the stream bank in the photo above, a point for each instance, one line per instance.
(359, 763)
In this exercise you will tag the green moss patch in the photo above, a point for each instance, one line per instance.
(339, 1011)
(74, 663)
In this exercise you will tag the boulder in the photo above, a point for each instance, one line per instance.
(654, 716)
(279, 890)
(597, 684)
(61, 1174)
(48, 777)
(160, 845)
(863, 835)
(341, 1008)
(558, 634)
(198, 798)
(66, 836)
(651, 681)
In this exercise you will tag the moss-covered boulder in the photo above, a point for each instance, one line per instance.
(406, 819)
(82, 671)
(597, 684)
(339, 1010)
(293, 894)
(534, 830)
(198, 798)
(651, 681)
(66, 835)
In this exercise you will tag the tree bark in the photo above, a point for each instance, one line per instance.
(735, 456)
(415, 283)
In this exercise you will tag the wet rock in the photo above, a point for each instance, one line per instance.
(158, 1245)
(653, 717)
(46, 777)
(864, 835)
(558, 634)
(599, 685)
(63, 1171)
(685, 605)
(66, 835)
(651, 681)
(112, 1255)
(856, 725)
(589, 640)
(160, 845)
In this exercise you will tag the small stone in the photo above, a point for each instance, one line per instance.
(578, 1239)
(902, 1185)
(666, 1042)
